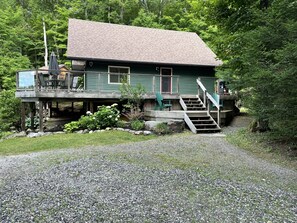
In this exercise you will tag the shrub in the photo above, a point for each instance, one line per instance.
(107, 116)
(88, 122)
(137, 125)
(162, 128)
(121, 124)
(9, 110)
(71, 127)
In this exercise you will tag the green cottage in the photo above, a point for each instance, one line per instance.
(177, 66)
(161, 60)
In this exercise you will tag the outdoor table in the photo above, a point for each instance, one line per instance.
(54, 83)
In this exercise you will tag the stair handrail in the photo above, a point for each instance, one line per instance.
(208, 97)
(200, 85)
(183, 104)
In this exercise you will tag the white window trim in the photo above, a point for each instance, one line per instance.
(128, 75)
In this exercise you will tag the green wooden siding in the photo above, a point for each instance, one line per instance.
(143, 74)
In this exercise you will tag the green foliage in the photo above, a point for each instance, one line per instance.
(134, 97)
(72, 127)
(106, 116)
(261, 60)
(137, 125)
(9, 110)
(162, 128)
(88, 122)
(121, 124)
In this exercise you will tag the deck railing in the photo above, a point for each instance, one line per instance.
(91, 81)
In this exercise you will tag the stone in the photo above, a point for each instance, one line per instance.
(80, 132)
(127, 130)
(90, 132)
(16, 135)
(176, 126)
(59, 132)
(138, 133)
(120, 129)
(108, 129)
(132, 131)
(35, 134)
(151, 125)
(147, 133)
(85, 131)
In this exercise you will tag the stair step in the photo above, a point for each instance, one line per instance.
(196, 109)
(200, 118)
(203, 126)
(208, 130)
(202, 121)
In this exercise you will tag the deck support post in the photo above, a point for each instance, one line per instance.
(50, 108)
(41, 116)
(23, 116)
(32, 114)
(91, 106)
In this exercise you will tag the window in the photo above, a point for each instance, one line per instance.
(118, 75)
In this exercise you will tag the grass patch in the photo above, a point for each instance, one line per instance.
(61, 141)
(266, 146)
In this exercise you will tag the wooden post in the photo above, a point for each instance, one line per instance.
(40, 116)
(91, 106)
(23, 116)
(32, 114)
(219, 118)
(68, 81)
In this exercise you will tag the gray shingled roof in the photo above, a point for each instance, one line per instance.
(104, 41)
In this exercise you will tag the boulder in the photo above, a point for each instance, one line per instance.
(151, 125)
(147, 133)
(176, 126)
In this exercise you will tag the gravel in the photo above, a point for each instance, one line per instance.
(179, 178)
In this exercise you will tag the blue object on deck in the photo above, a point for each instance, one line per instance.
(161, 103)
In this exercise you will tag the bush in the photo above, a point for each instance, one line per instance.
(162, 128)
(88, 122)
(107, 116)
(122, 124)
(137, 125)
(9, 110)
(72, 126)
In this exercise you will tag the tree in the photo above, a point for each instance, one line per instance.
(261, 63)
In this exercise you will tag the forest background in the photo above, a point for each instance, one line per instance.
(256, 39)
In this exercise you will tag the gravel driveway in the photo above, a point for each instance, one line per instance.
(180, 178)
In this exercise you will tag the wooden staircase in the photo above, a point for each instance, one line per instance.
(197, 116)
(194, 104)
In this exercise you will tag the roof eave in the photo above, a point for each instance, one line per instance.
(143, 62)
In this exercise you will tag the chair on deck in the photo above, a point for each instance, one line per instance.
(42, 82)
(161, 103)
(64, 84)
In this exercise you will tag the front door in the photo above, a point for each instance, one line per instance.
(166, 80)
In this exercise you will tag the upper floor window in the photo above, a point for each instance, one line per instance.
(118, 75)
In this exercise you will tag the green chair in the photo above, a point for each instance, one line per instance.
(161, 103)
